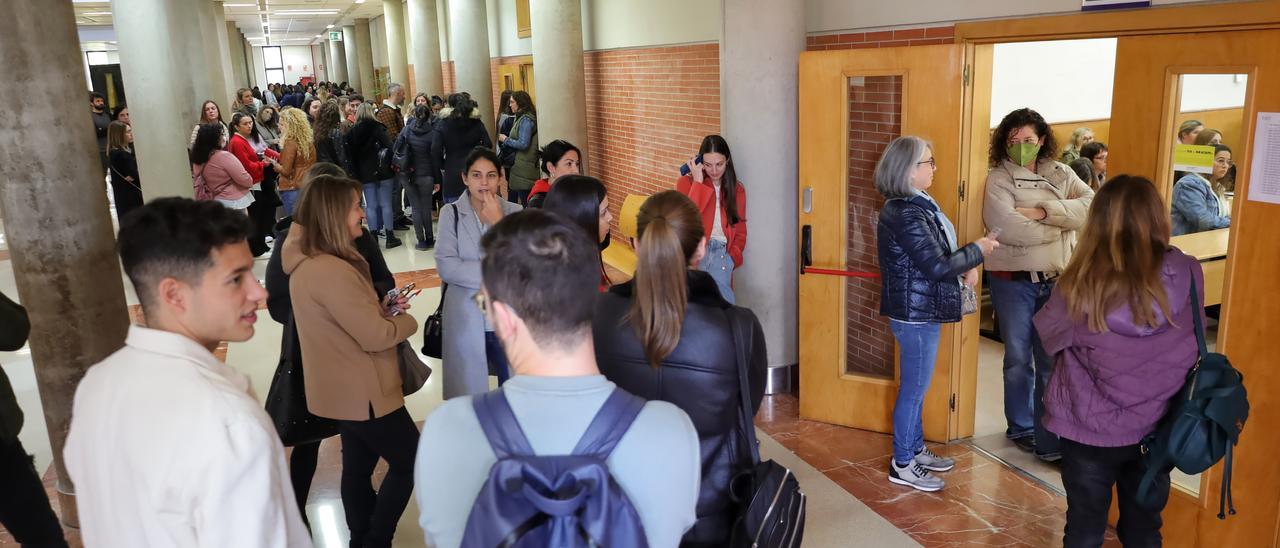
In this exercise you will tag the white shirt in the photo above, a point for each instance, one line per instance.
(717, 231)
(168, 447)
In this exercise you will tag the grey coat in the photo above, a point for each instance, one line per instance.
(466, 370)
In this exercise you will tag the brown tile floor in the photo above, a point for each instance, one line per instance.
(984, 504)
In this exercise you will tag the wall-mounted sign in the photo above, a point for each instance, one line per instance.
(1264, 169)
(1194, 158)
(1091, 5)
(335, 36)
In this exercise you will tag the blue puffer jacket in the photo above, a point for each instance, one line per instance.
(1195, 207)
(919, 274)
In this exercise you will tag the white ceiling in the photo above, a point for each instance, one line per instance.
(292, 22)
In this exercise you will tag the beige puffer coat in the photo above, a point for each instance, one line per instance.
(1036, 246)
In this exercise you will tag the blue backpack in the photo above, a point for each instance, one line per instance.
(557, 501)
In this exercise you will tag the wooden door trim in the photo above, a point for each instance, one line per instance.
(1251, 15)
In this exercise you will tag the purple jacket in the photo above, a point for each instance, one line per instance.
(1110, 389)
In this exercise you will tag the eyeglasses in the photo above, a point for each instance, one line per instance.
(932, 163)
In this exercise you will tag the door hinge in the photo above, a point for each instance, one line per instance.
(966, 75)
(962, 185)
(953, 402)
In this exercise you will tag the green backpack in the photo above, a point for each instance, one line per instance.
(1203, 422)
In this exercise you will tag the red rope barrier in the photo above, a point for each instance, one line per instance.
(845, 273)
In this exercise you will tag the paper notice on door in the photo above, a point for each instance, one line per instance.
(1264, 171)
(1196, 158)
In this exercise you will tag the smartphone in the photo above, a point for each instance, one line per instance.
(684, 168)
(396, 292)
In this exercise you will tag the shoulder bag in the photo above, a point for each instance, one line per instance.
(287, 398)
(771, 511)
(433, 328)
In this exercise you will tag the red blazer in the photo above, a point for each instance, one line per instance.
(703, 195)
(243, 151)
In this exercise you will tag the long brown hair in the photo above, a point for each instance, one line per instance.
(670, 229)
(729, 181)
(322, 211)
(1120, 256)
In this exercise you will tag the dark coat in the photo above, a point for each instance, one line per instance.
(420, 135)
(364, 141)
(14, 328)
(920, 276)
(127, 195)
(457, 138)
(700, 377)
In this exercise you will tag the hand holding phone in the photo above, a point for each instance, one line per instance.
(397, 299)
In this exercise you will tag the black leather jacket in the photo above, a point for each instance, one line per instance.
(700, 377)
(919, 274)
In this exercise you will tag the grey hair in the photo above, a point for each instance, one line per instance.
(893, 172)
(391, 88)
(1076, 136)
(366, 111)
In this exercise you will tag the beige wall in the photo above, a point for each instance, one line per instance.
(613, 24)
(835, 15)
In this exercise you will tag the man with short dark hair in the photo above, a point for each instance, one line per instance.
(168, 446)
(101, 120)
(354, 101)
(540, 274)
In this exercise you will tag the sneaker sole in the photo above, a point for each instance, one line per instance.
(900, 481)
(937, 468)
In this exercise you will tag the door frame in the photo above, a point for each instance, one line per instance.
(1190, 520)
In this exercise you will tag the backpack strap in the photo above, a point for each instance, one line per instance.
(610, 424)
(500, 425)
(744, 389)
(1196, 312)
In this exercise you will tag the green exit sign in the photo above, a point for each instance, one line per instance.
(335, 36)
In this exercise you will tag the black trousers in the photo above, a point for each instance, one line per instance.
(24, 507)
(302, 470)
(372, 516)
(419, 192)
(1089, 473)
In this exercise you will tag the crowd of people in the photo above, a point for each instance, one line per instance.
(1074, 261)
(1092, 302)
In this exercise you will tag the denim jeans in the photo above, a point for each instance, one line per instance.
(289, 197)
(1026, 364)
(377, 203)
(518, 196)
(497, 357)
(372, 515)
(1088, 474)
(719, 265)
(398, 182)
(918, 344)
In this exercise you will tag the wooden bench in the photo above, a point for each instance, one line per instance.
(622, 255)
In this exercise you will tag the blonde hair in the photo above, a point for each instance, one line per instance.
(1120, 256)
(670, 229)
(294, 127)
(366, 111)
(322, 211)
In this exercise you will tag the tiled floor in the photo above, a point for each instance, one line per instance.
(984, 504)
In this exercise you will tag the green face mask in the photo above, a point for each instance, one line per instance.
(1023, 153)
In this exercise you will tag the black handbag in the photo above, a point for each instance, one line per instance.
(287, 397)
(771, 512)
(433, 328)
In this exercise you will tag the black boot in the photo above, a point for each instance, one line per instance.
(392, 241)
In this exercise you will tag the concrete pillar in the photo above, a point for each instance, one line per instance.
(229, 80)
(397, 58)
(364, 54)
(164, 64)
(349, 50)
(337, 61)
(760, 47)
(239, 71)
(210, 27)
(55, 214)
(469, 26)
(424, 28)
(561, 85)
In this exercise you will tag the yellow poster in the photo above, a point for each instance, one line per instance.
(1195, 158)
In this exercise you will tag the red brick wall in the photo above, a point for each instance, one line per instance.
(875, 108)
(883, 39)
(647, 111)
(449, 76)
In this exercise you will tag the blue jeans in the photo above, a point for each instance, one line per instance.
(377, 203)
(719, 265)
(497, 357)
(918, 349)
(1026, 364)
(290, 198)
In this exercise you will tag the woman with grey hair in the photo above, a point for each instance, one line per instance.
(921, 269)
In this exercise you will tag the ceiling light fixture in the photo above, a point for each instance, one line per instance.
(307, 12)
(328, 26)
(98, 13)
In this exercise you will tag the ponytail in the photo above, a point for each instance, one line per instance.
(670, 229)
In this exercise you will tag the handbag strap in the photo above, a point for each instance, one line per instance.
(744, 390)
(1196, 312)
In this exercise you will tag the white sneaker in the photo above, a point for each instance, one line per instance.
(934, 462)
(915, 476)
